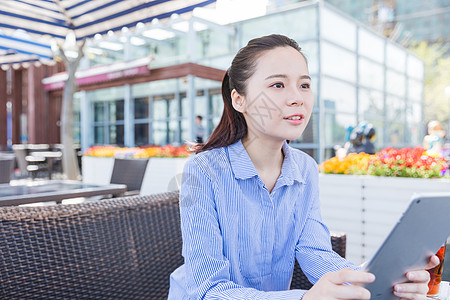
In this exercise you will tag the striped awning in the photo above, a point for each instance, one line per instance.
(20, 47)
(43, 20)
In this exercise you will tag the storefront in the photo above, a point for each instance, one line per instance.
(132, 104)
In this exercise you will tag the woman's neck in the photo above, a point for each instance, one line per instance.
(266, 156)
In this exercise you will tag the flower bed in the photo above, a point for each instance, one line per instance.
(406, 162)
(138, 152)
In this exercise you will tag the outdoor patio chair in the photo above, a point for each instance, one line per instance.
(6, 167)
(130, 172)
(299, 279)
(119, 248)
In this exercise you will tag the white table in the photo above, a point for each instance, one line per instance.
(54, 190)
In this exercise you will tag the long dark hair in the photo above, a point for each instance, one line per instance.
(232, 126)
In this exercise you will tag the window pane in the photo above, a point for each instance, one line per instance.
(370, 45)
(141, 136)
(338, 29)
(336, 126)
(338, 62)
(116, 111)
(395, 83)
(201, 106)
(395, 110)
(99, 136)
(414, 134)
(77, 134)
(160, 133)
(415, 67)
(160, 109)
(413, 112)
(116, 135)
(338, 96)
(310, 50)
(185, 132)
(298, 24)
(370, 74)
(395, 134)
(213, 42)
(415, 90)
(370, 104)
(99, 111)
(213, 123)
(217, 105)
(185, 107)
(173, 130)
(395, 57)
(141, 108)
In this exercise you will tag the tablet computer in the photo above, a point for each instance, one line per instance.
(420, 232)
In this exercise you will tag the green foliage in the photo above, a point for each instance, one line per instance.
(437, 78)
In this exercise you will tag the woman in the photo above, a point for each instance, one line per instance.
(250, 203)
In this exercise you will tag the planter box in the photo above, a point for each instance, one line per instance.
(161, 175)
(367, 207)
(97, 170)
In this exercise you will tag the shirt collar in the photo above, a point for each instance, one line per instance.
(241, 163)
(243, 167)
(290, 170)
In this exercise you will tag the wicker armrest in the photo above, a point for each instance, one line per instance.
(299, 279)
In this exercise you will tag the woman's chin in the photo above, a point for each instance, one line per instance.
(293, 136)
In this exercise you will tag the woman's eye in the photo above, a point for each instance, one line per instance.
(305, 86)
(278, 85)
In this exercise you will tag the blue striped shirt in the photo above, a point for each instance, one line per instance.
(239, 240)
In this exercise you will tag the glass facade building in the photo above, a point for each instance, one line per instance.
(415, 20)
(357, 75)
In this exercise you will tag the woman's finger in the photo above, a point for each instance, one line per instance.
(433, 262)
(351, 292)
(350, 276)
(411, 288)
(418, 276)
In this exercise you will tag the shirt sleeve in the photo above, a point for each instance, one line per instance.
(313, 250)
(207, 269)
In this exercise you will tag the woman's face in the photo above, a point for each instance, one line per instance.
(278, 101)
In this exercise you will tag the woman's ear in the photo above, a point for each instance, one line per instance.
(238, 101)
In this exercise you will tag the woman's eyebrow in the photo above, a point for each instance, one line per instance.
(276, 76)
(285, 76)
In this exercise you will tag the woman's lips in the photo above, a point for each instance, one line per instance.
(294, 119)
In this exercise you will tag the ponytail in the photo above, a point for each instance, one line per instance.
(232, 126)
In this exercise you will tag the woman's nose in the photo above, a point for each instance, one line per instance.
(295, 98)
(296, 101)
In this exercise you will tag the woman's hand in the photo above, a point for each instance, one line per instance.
(418, 287)
(335, 285)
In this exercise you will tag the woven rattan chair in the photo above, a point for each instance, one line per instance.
(299, 279)
(122, 248)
